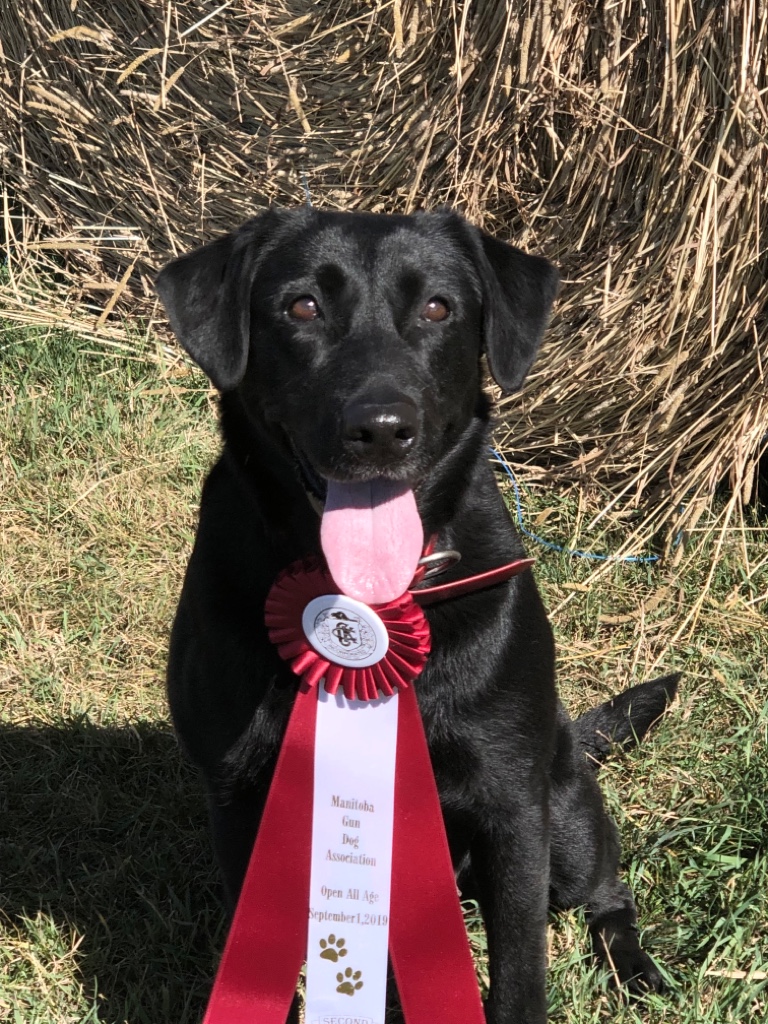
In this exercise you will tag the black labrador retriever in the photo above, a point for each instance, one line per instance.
(348, 352)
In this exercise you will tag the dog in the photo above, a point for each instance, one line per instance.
(348, 350)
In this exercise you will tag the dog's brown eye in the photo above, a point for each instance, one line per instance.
(304, 308)
(435, 310)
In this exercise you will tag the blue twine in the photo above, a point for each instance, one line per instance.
(305, 186)
(558, 547)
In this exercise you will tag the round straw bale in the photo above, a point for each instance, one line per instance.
(626, 141)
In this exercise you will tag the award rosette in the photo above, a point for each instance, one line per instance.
(327, 635)
(351, 867)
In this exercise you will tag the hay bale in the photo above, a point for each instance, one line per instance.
(627, 142)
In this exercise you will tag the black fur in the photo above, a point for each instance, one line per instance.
(623, 719)
(523, 812)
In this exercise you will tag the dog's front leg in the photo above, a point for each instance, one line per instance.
(510, 863)
(234, 823)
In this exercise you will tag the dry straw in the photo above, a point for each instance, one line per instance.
(626, 140)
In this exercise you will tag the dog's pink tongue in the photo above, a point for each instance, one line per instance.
(372, 539)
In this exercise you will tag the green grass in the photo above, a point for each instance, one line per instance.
(109, 905)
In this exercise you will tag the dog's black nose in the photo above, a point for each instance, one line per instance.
(381, 428)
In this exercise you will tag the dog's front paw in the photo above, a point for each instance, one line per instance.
(617, 945)
(632, 969)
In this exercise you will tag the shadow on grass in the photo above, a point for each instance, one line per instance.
(104, 831)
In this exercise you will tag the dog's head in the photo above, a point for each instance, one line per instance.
(359, 337)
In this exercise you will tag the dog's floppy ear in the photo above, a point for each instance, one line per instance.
(518, 294)
(207, 297)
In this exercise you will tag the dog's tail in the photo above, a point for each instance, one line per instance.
(625, 719)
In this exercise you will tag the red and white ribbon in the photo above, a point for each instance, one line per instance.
(275, 927)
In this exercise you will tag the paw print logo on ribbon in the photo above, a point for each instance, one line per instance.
(349, 982)
(332, 949)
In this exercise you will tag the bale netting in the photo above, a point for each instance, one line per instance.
(626, 141)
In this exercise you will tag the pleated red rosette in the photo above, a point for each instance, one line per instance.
(405, 622)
